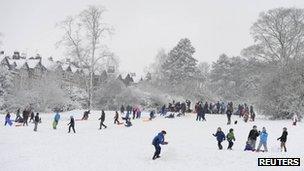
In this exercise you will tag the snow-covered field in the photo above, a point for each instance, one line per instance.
(191, 145)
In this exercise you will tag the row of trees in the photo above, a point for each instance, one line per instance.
(268, 74)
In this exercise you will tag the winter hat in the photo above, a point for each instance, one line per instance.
(164, 132)
(230, 130)
(254, 126)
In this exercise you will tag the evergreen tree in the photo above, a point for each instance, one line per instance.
(180, 65)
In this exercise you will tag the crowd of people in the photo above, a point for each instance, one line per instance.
(180, 109)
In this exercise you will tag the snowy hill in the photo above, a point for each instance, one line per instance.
(191, 145)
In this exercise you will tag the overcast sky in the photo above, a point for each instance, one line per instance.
(141, 26)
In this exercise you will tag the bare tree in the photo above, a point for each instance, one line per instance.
(83, 36)
(279, 35)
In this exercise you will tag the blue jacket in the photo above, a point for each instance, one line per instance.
(159, 139)
(220, 136)
(263, 137)
(57, 117)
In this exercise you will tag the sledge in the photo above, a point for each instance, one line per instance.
(17, 125)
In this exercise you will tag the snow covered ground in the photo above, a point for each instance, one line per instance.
(191, 145)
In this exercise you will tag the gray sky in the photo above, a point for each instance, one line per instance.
(141, 26)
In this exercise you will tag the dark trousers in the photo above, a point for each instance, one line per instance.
(283, 146)
(157, 151)
(72, 126)
(219, 144)
(101, 124)
(198, 117)
(36, 125)
(116, 121)
(203, 117)
(228, 117)
(25, 121)
(230, 144)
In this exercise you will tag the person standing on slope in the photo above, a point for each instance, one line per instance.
(263, 140)
(102, 119)
(295, 119)
(72, 124)
(36, 121)
(157, 141)
(56, 120)
(220, 137)
(283, 139)
(252, 137)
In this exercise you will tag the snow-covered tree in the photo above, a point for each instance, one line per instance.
(6, 87)
(180, 64)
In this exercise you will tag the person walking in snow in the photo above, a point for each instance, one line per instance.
(36, 121)
(157, 141)
(263, 140)
(32, 115)
(116, 118)
(294, 119)
(230, 138)
(17, 115)
(8, 119)
(283, 139)
(102, 119)
(220, 137)
(252, 137)
(71, 124)
(85, 115)
(25, 115)
(56, 120)
(252, 114)
(229, 112)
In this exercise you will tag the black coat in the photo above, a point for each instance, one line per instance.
(253, 134)
(102, 117)
(72, 122)
(283, 138)
(37, 118)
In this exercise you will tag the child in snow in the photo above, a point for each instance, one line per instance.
(230, 138)
(152, 115)
(283, 139)
(220, 137)
(36, 121)
(263, 140)
(116, 118)
(159, 139)
(102, 119)
(248, 147)
(8, 119)
(294, 119)
(252, 137)
(72, 124)
(56, 120)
